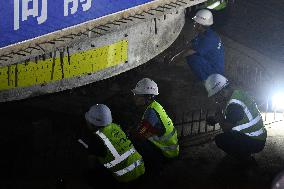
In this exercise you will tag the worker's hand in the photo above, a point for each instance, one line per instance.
(219, 115)
(211, 120)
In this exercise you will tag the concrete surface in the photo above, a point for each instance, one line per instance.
(144, 41)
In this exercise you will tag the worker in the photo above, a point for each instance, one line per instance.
(205, 53)
(158, 137)
(243, 130)
(216, 5)
(220, 10)
(111, 146)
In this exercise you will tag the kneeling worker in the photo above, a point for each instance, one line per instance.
(111, 146)
(155, 126)
(238, 115)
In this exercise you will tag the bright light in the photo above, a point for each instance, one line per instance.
(278, 101)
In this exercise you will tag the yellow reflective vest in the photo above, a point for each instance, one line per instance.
(168, 143)
(122, 159)
(251, 124)
(216, 4)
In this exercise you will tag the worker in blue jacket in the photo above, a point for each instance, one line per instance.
(205, 53)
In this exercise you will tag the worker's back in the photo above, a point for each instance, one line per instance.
(210, 50)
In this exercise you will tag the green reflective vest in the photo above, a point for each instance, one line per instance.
(251, 124)
(215, 4)
(168, 143)
(125, 163)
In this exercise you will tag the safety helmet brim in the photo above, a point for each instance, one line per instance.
(204, 17)
(212, 93)
(136, 92)
(146, 86)
(99, 115)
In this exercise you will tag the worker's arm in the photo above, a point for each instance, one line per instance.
(146, 130)
(226, 126)
(187, 52)
(150, 126)
(217, 118)
(92, 143)
(234, 114)
(182, 52)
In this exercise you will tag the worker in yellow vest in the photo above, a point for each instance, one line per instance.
(156, 126)
(216, 4)
(244, 132)
(111, 147)
(221, 9)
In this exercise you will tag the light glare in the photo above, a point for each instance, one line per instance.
(278, 101)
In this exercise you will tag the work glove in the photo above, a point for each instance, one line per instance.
(211, 121)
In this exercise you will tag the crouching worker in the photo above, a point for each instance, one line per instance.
(156, 134)
(111, 147)
(243, 131)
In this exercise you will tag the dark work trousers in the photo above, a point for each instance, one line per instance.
(153, 158)
(238, 144)
(100, 176)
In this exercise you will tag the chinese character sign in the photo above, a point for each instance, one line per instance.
(22, 20)
(32, 10)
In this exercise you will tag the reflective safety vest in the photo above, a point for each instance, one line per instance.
(125, 163)
(168, 143)
(251, 124)
(216, 4)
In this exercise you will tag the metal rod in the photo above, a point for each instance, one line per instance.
(206, 125)
(182, 127)
(170, 5)
(199, 124)
(102, 28)
(136, 17)
(157, 10)
(182, 2)
(149, 13)
(120, 22)
(191, 126)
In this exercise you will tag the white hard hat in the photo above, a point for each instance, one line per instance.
(204, 17)
(146, 86)
(215, 83)
(99, 115)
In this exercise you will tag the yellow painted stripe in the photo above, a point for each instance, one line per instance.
(63, 66)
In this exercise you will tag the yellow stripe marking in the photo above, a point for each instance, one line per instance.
(54, 69)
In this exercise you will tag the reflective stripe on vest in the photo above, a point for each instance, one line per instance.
(117, 158)
(129, 168)
(163, 138)
(256, 133)
(247, 125)
(170, 148)
(168, 142)
(249, 116)
(214, 5)
(251, 122)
